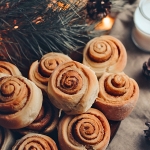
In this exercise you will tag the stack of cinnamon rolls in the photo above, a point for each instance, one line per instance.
(72, 100)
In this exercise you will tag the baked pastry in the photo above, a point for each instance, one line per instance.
(3, 74)
(89, 130)
(105, 54)
(9, 68)
(6, 139)
(40, 71)
(20, 101)
(73, 87)
(45, 122)
(117, 96)
(35, 141)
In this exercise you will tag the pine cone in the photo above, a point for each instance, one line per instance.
(98, 9)
(131, 1)
(147, 132)
(146, 68)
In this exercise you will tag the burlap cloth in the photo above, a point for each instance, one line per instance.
(130, 135)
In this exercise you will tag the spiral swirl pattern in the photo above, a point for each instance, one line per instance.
(90, 129)
(9, 68)
(87, 129)
(100, 51)
(118, 94)
(35, 141)
(16, 97)
(45, 122)
(13, 94)
(73, 87)
(116, 85)
(40, 71)
(70, 82)
(105, 54)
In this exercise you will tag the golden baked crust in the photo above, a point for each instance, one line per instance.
(73, 87)
(35, 141)
(105, 54)
(40, 71)
(89, 130)
(20, 101)
(9, 68)
(117, 96)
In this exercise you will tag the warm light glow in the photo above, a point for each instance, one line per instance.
(105, 24)
(107, 20)
(62, 5)
(55, 5)
(16, 27)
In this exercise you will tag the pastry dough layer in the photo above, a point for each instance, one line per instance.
(73, 87)
(89, 130)
(20, 101)
(105, 54)
(117, 96)
(40, 71)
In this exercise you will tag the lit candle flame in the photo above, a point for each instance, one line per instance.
(105, 24)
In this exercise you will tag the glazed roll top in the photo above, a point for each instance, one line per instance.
(89, 130)
(20, 101)
(40, 71)
(73, 87)
(105, 54)
(117, 96)
(35, 141)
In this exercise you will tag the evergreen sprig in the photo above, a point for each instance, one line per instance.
(29, 29)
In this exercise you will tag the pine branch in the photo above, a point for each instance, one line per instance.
(30, 29)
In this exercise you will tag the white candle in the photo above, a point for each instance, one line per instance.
(141, 30)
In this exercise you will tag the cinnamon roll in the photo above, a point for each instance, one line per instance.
(105, 54)
(73, 87)
(9, 68)
(3, 74)
(35, 141)
(40, 71)
(20, 101)
(117, 96)
(45, 122)
(7, 139)
(89, 130)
